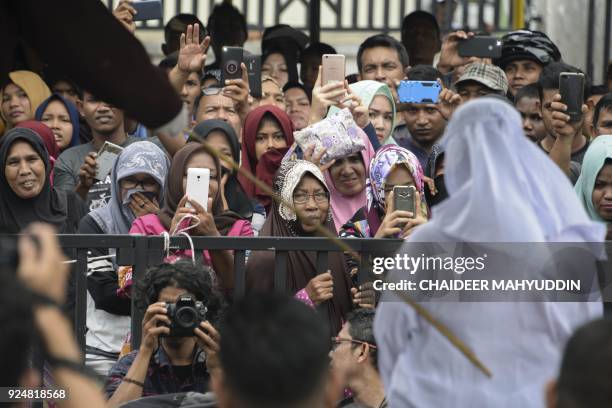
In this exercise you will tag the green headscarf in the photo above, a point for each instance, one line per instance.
(594, 159)
(367, 90)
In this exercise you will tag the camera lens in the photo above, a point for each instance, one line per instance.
(186, 317)
(232, 67)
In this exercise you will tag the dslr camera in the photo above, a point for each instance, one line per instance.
(185, 315)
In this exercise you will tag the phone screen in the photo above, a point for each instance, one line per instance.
(571, 88)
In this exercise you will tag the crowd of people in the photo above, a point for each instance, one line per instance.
(496, 158)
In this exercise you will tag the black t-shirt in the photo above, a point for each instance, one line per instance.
(183, 372)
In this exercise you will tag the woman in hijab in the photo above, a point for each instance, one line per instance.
(378, 98)
(176, 217)
(223, 138)
(63, 118)
(46, 134)
(594, 186)
(267, 136)
(346, 179)
(26, 193)
(493, 198)
(302, 185)
(21, 97)
(138, 178)
(392, 166)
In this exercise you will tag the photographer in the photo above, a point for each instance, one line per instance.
(29, 306)
(169, 359)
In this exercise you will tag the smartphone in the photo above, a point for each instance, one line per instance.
(419, 91)
(333, 68)
(197, 186)
(147, 10)
(253, 64)
(107, 155)
(481, 47)
(571, 88)
(404, 199)
(231, 58)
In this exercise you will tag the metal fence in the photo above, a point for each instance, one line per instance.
(144, 251)
(346, 15)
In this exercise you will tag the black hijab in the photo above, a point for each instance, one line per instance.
(237, 200)
(50, 206)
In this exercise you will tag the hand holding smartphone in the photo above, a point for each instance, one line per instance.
(106, 159)
(404, 199)
(571, 88)
(231, 58)
(333, 69)
(197, 186)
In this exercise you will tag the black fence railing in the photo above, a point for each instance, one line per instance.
(140, 252)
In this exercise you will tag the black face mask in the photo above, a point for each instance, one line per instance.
(433, 200)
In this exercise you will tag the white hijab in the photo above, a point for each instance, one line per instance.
(502, 188)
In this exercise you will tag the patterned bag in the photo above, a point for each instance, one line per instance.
(338, 133)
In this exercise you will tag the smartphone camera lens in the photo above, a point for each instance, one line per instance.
(231, 67)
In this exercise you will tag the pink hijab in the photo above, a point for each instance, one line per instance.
(344, 207)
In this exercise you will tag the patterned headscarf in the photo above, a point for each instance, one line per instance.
(139, 157)
(386, 159)
(289, 176)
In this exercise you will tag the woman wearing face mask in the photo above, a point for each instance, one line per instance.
(138, 179)
(392, 166)
(301, 184)
(267, 136)
(26, 193)
(20, 98)
(594, 186)
(63, 119)
(213, 221)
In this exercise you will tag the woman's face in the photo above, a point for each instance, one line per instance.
(602, 193)
(349, 175)
(25, 170)
(269, 136)
(275, 66)
(56, 116)
(139, 180)
(15, 105)
(218, 140)
(202, 160)
(399, 176)
(311, 201)
(381, 116)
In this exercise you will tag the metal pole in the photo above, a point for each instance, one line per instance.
(314, 20)
(607, 35)
(518, 14)
(590, 36)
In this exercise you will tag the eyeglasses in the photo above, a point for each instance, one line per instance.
(302, 198)
(336, 341)
(147, 184)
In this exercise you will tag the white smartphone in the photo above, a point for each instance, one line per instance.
(197, 186)
(106, 159)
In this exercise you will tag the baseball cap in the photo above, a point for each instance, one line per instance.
(489, 75)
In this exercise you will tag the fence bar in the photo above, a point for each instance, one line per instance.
(607, 36)
(385, 17)
(138, 271)
(465, 13)
(80, 308)
(322, 264)
(280, 271)
(239, 274)
(590, 36)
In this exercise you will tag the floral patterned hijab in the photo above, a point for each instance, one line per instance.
(388, 158)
